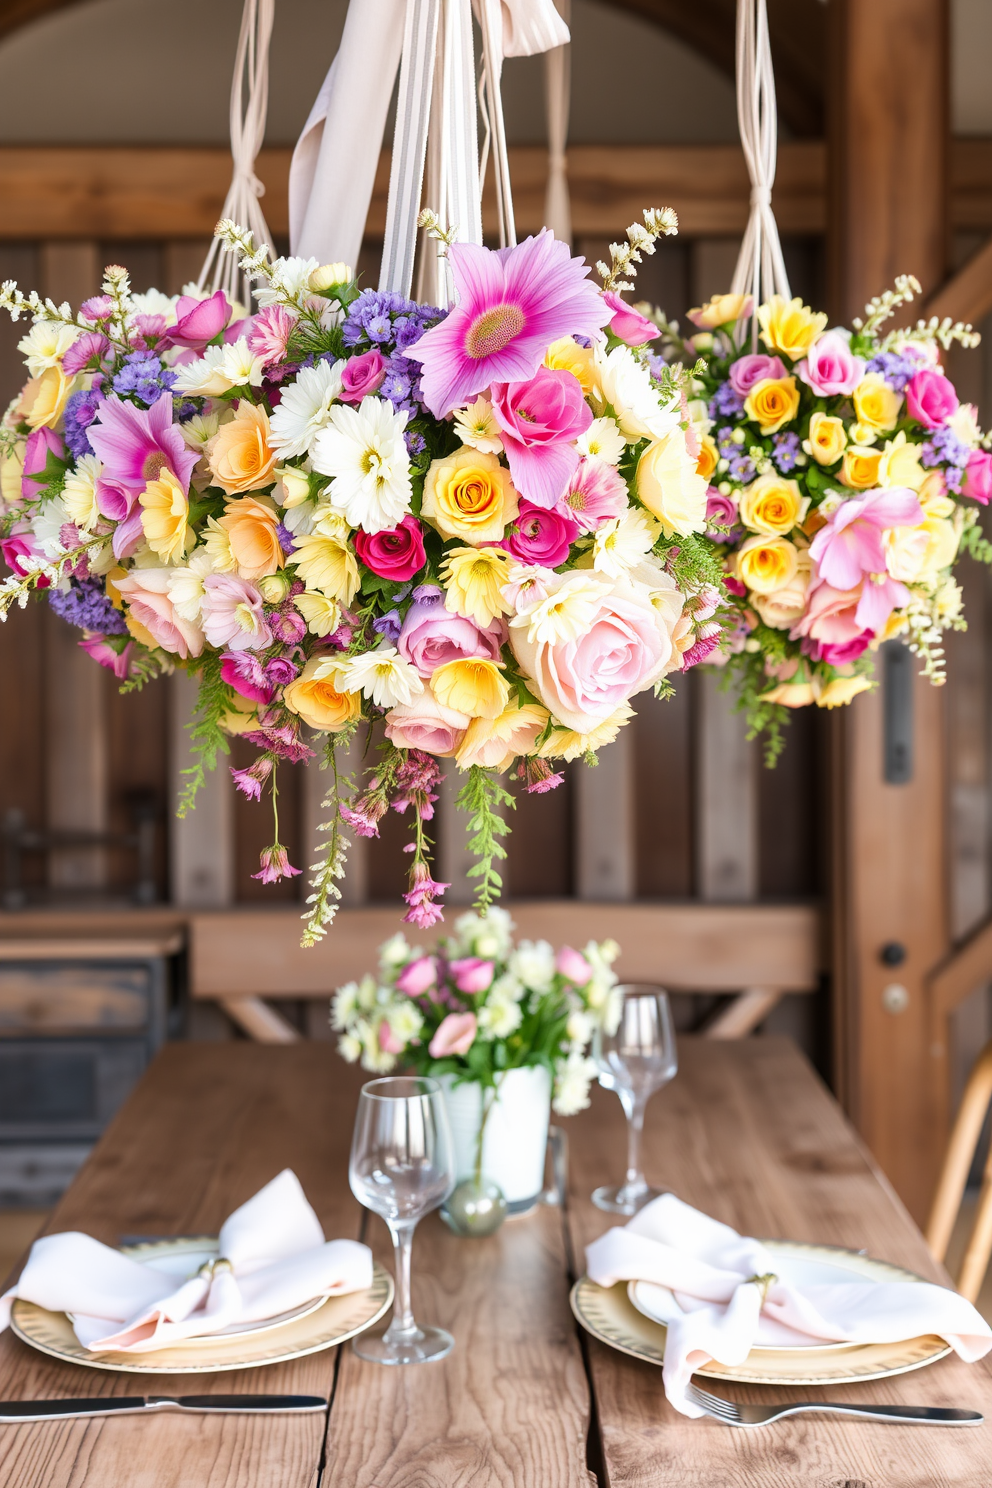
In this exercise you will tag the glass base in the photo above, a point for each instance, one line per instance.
(418, 1347)
(622, 1201)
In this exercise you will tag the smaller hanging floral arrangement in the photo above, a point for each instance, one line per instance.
(845, 478)
(478, 1006)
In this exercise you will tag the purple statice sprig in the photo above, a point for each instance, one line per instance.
(85, 603)
(785, 451)
(897, 370)
(945, 449)
(143, 377)
(740, 466)
(726, 402)
(80, 411)
(391, 324)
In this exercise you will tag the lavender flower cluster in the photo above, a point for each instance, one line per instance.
(946, 449)
(85, 604)
(392, 324)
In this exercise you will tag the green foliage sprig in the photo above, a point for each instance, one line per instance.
(207, 738)
(481, 797)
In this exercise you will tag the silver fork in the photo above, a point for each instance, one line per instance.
(732, 1414)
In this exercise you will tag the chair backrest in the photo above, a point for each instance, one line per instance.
(954, 1177)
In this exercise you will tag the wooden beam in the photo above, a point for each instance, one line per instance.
(744, 1014)
(967, 295)
(888, 90)
(259, 1021)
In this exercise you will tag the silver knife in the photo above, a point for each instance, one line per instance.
(13, 1412)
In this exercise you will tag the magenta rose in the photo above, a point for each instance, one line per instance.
(978, 477)
(930, 398)
(40, 444)
(362, 375)
(396, 554)
(754, 367)
(198, 322)
(541, 537)
(840, 655)
(539, 421)
(830, 368)
(432, 635)
(627, 325)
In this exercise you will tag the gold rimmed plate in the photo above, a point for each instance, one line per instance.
(609, 1315)
(318, 1324)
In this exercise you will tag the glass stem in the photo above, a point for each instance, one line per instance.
(402, 1324)
(636, 1181)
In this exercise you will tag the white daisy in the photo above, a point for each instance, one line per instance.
(621, 544)
(305, 408)
(207, 376)
(79, 493)
(241, 365)
(383, 676)
(186, 585)
(476, 426)
(290, 282)
(45, 344)
(566, 612)
(574, 1075)
(603, 440)
(625, 386)
(364, 450)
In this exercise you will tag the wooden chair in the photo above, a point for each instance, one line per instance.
(954, 1176)
(244, 960)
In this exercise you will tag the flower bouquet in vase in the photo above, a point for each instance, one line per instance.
(506, 1030)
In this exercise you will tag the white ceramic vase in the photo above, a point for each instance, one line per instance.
(515, 1136)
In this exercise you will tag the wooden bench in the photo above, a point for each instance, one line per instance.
(246, 959)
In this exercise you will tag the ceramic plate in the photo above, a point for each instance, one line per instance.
(609, 1315)
(801, 1265)
(318, 1324)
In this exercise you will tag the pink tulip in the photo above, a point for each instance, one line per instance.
(850, 545)
(627, 325)
(573, 966)
(40, 444)
(455, 1036)
(417, 977)
(930, 398)
(198, 322)
(471, 974)
(830, 368)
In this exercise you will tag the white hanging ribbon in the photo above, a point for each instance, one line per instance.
(557, 82)
(333, 171)
(247, 119)
(760, 267)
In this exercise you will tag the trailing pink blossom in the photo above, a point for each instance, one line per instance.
(424, 891)
(275, 865)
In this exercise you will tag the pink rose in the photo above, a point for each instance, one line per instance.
(362, 375)
(540, 536)
(624, 645)
(754, 367)
(96, 645)
(40, 444)
(198, 322)
(234, 614)
(146, 594)
(426, 724)
(472, 974)
(432, 635)
(830, 615)
(627, 325)
(830, 368)
(573, 966)
(455, 1036)
(396, 553)
(597, 493)
(978, 477)
(722, 510)
(417, 977)
(538, 420)
(930, 398)
(269, 332)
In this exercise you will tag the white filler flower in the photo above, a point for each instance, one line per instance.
(383, 676)
(364, 451)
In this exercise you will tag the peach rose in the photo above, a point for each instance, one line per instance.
(250, 525)
(315, 696)
(145, 592)
(240, 457)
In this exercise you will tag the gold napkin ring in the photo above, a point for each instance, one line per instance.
(210, 1268)
(763, 1282)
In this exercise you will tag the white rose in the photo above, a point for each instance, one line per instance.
(668, 484)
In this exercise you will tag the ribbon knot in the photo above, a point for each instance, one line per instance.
(761, 196)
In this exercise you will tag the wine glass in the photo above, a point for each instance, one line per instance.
(402, 1166)
(635, 1061)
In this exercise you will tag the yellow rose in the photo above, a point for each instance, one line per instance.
(900, 464)
(469, 495)
(670, 486)
(860, 468)
(327, 564)
(840, 690)
(294, 486)
(473, 578)
(765, 564)
(251, 528)
(566, 744)
(317, 698)
(709, 457)
(772, 505)
(240, 457)
(495, 743)
(11, 470)
(826, 438)
(165, 517)
(790, 326)
(43, 400)
(876, 405)
(785, 607)
(721, 310)
(567, 355)
(789, 695)
(472, 686)
(772, 402)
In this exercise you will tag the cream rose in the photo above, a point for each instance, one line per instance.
(668, 483)
(785, 607)
(145, 592)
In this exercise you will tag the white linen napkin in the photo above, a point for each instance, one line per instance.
(274, 1255)
(724, 1282)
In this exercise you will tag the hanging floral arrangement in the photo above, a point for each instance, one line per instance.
(845, 480)
(478, 529)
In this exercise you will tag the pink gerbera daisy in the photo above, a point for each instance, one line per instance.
(597, 494)
(512, 303)
(135, 444)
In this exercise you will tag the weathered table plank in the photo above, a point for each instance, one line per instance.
(748, 1134)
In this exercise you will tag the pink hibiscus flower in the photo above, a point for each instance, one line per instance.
(135, 444)
(512, 303)
(538, 420)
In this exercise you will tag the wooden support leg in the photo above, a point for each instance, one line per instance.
(259, 1021)
(960, 1152)
(744, 1014)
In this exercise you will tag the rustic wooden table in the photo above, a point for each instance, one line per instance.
(746, 1132)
